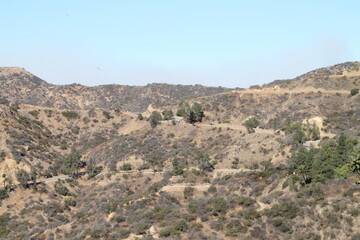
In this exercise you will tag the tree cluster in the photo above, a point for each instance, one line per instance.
(320, 164)
(191, 114)
(69, 165)
(250, 124)
(298, 133)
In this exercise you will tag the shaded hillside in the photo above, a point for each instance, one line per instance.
(20, 86)
(340, 76)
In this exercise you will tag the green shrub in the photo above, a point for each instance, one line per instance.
(70, 115)
(34, 113)
(61, 189)
(354, 91)
(4, 231)
(250, 214)
(245, 201)
(195, 172)
(167, 232)
(281, 225)
(181, 225)
(3, 194)
(219, 205)
(124, 233)
(111, 207)
(212, 189)
(233, 229)
(107, 115)
(285, 208)
(70, 202)
(126, 167)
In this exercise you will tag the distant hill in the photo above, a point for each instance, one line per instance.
(337, 77)
(20, 86)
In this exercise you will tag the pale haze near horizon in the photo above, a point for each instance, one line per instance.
(213, 43)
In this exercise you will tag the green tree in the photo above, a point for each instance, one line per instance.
(140, 117)
(325, 162)
(355, 162)
(33, 175)
(23, 177)
(334, 159)
(71, 163)
(155, 119)
(193, 114)
(92, 169)
(315, 133)
(343, 171)
(177, 168)
(295, 130)
(168, 114)
(302, 163)
(250, 124)
(191, 118)
(203, 162)
(184, 110)
(275, 123)
(198, 112)
(61, 189)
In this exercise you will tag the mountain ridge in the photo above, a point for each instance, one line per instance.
(319, 78)
(20, 86)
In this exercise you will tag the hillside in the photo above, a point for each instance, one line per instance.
(274, 162)
(338, 77)
(335, 110)
(20, 86)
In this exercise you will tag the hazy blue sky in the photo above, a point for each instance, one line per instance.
(230, 43)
